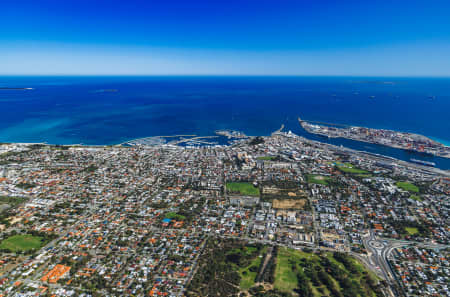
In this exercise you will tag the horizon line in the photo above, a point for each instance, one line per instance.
(223, 75)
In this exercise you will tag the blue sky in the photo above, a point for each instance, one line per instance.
(245, 37)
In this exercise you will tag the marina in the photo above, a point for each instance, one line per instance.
(135, 112)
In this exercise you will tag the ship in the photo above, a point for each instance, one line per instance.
(426, 163)
(14, 89)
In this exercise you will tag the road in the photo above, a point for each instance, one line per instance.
(379, 251)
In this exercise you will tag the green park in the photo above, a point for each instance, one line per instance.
(22, 242)
(242, 188)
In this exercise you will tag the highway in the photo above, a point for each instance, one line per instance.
(379, 251)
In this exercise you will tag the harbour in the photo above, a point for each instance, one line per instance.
(401, 140)
(67, 110)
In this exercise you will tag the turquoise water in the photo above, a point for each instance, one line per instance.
(110, 110)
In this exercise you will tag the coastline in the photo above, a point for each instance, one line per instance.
(391, 146)
(328, 130)
(444, 142)
(126, 144)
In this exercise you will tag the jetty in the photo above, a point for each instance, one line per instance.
(279, 130)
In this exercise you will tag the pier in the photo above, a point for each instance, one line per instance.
(323, 123)
(279, 130)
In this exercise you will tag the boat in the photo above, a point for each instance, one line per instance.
(426, 163)
(15, 89)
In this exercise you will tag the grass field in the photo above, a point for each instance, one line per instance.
(248, 276)
(407, 187)
(227, 267)
(349, 168)
(236, 264)
(411, 230)
(249, 272)
(285, 278)
(246, 189)
(318, 179)
(416, 197)
(23, 242)
(266, 158)
(364, 175)
(293, 265)
(175, 216)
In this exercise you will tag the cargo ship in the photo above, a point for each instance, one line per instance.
(14, 89)
(426, 163)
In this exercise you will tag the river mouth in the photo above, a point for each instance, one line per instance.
(396, 153)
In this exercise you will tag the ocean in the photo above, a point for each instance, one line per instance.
(111, 110)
